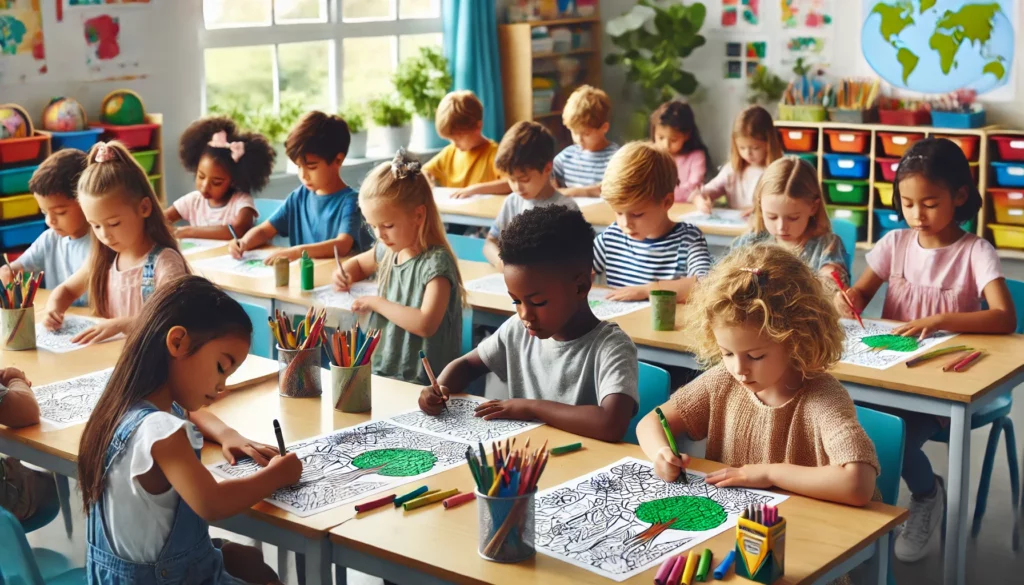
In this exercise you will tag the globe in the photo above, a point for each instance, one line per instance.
(13, 123)
(938, 46)
(123, 108)
(64, 114)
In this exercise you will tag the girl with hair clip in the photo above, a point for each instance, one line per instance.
(938, 276)
(674, 129)
(420, 307)
(768, 407)
(755, 145)
(133, 253)
(229, 166)
(789, 211)
(139, 453)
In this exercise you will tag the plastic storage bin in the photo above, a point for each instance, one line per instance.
(849, 141)
(799, 139)
(905, 117)
(21, 234)
(146, 158)
(959, 120)
(17, 206)
(888, 167)
(808, 157)
(848, 166)
(898, 143)
(154, 180)
(858, 217)
(967, 143)
(885, 191)
(802, 113)
(133, 136)
(20, 150)
(1008, 236)
(853, 116)
(1009, 174)
(82, 140)
(1009, 205)
(847, 192)
(15, 181)
(887, 221)
(1010, 147)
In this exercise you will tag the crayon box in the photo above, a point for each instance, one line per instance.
(760, 550)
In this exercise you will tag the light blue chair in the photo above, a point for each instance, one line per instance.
(20, 565)
(847, 233)
(260, 331)
(267, 207)
(888, 432)
(654, 387)
(472, 250)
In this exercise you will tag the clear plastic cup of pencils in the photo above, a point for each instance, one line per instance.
(351, 354)
(17, 312)
(506, 527)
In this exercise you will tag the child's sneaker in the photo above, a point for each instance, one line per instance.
(925, 517)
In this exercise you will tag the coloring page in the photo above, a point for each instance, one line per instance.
(604, 309)
(587, 201)
(196, 245)
(492, 284)
(251, 264)
(59, 341)
(326, 296)
(594, 521)
(443, 196)
(718, 218)
(70, 402)
(350, 464)
(862, 344)
(459, 423)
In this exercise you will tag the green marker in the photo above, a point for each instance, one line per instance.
(671, 439)
(566, 449)
(703, 565)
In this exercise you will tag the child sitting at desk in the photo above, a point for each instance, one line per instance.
(644, 249)
(767, 406)
(580, 167)
(467, 164)
(23, 491)
(562, 365)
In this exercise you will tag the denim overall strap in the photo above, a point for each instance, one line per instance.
(149, 273)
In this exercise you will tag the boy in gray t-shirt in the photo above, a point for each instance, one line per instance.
(563, 366)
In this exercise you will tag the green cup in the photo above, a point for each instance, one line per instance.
(663, 310)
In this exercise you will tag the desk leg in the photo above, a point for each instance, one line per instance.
(878, 566)
(318, 562)
(957, 491)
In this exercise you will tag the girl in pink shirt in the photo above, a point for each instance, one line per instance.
(938, 275)
(674, 129)
(133, 252)
(229, 165)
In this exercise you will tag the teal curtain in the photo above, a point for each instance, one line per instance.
(471, 45)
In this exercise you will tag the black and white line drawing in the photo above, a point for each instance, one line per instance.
(459, 423)
(70, 402)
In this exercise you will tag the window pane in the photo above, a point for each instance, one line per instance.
(236, 13)
(419, 8)
(239, 78)
(304, 75)
(367, 68)
(294, 11)
(409, 45)
(366, 10)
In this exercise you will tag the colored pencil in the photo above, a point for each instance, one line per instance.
(937, 353)
(409, 496)
(429, 498)
(367, 506)
(843, 290)
(968, 361)
(433, 379)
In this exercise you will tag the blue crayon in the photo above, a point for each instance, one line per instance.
(409, 496)
(723, 569)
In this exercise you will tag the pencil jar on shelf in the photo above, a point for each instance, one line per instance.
(18, 329)
(350, 388)
(299, 372)
(507, 525)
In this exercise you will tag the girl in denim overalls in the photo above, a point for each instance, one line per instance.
(147, 494)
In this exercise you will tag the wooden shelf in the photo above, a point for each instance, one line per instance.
(560, 21)
(555, 55)
(1010, 254)
(552, 114)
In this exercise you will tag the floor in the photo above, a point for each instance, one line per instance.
(990, 558)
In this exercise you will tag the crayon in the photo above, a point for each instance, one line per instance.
(968, 361)
(428, 498)
(704, 565)
(666, 569)
(690, 568)
(409, 496)
(458, 500)
(366, 507)
(677, 570)
(937, 353)
(566, 449)
(723, 569)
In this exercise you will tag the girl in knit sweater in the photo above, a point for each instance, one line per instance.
(766, 406)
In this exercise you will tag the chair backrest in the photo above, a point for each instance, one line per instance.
(467, 248)
(267, 207)
(888, 432)
(847, 233)
(654, 387)
(1017, 294)
(17, 565)
(260, 333)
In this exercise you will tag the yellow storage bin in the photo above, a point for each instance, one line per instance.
(17, 206)
(885, 193)
(1008, 236)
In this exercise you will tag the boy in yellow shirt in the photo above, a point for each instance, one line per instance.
(469, 159)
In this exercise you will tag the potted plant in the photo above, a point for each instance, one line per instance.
(652, 40)
(422, 81)
(355, 116)
(764, 88)
(390, 114)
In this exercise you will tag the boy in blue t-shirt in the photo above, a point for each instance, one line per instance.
(323, 213)
(62, 249)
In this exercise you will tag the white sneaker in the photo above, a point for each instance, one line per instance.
(925, 517)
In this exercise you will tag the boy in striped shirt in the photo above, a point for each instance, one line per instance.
(644, 249)
(580, 168)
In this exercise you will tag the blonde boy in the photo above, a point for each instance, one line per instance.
(469, 160)
(644, 250)
(580, 168)
(525, 156)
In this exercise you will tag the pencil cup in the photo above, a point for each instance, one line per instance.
(281, 272)
(506, 527)
(663, 310)
(760, 550)
(17, 329)
(350, 388)
(298, 374)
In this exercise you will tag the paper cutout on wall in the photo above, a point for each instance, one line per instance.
(815, 51)
(22, 52)
(113, 45)
(806, 13)
(749, 9)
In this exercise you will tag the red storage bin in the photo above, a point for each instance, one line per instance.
(21, 150)
(898, 143)
(1010, 147)
(799, 139)
(968, 144)
(1009, 205)
(888, 167)
(849, 141)
(905, 117)
(132, 136)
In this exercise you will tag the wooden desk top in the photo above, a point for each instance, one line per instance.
(820, 534)
(264, 287)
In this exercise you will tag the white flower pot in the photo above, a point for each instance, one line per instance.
(424, 135)
(393, 138)
(357, 148)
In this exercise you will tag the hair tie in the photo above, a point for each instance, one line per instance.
(403, 168)
(759, 274)
(104, 153)
(220, 140)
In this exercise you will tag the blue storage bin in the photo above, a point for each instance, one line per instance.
(1009, 174)
(82, 140)
(959, 120)
(15, 181)
(21, 234)
(887, 220)
(848, 166)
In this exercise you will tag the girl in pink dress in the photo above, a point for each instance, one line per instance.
(674, 129)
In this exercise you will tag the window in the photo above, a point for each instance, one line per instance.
(308, 54)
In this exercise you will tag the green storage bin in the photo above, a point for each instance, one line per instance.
(155, 180)
(146, 158)
(858, 216)
(847, 192)
(802, 113)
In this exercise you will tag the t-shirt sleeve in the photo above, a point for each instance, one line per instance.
(568, 202)
(720, 184)
(351, 219)
(34, 259)
(558, 167)
(493, 351)
(169, 266)
(617, 370)
(439, 263)
(842, 437)
(833, 252)
(698, 258)
(744, 239)
(985, 265)
(505, 215)
(279, 220)
(242, 201)
(879, 258)
(693, 402)
(184, 205)
(154, 428)
(600, 257)
(437, 167)
(689, 183)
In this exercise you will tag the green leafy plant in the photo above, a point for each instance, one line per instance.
(355, 116)
(653, 40)
(423, 80)
(275, 126)
(764, 87)
(389, 110)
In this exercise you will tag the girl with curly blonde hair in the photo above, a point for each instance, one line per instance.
(768, 407)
